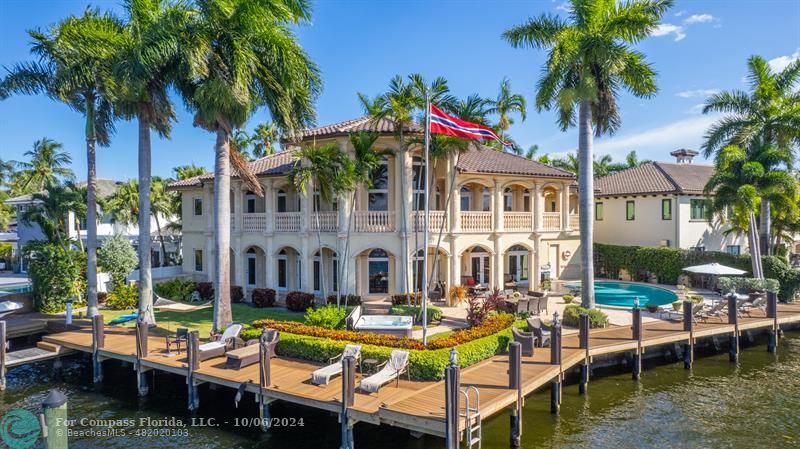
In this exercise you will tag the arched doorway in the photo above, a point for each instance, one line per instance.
(378, 272)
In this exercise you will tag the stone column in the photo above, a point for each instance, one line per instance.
(306, 267)
(536, 271)
(269, 208)
(565, 207)
(455, 196)
(238, 207)
(270, 264)
(497, 206)
(455, 266)
(498, 270)
(538, 207)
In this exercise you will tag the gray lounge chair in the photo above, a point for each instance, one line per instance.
(392, 369)
(759, 303)
(717, 310)
(323, 375)
(220, 344)
(540, 331)
(526, 339)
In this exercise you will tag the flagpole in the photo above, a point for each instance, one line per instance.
(425, 223)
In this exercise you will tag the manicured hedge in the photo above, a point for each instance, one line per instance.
(406, 299)
(206, 290)
(572, 314)
(237, 293)
(263, 297)
(350, 300)
(299, 301)
(434, 313)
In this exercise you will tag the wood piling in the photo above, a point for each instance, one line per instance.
(555, 359)
(688, 326)
(3, 347)
(772, 312)
(583, 341)
(733, 318)
(54, 412)
(451, 393)
(142, 334)
(636, 370)
(98, 343)
(515, 383)
(192, 363)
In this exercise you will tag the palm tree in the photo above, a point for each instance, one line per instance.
(241, 141)
(237, 66)
(162, 204)
(47, 164)
(123, 204)
(188, 171)
(602, 166)
(76, 70)
(568, 163)
(631, 161)
(590, 60)
(145, 68)
(264, 136)
(50, 210)
(505, 104)
(769, 115)
(532, 150)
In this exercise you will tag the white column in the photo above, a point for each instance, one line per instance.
(538, 207)
(498, 271)
(497, 206)
(305, 211)
(270, 264)
(535, 275)
(455, 269)
(238, 207)
(565, 207)
(269, 209)
(306, 267)
(240, 266)
(454, 191)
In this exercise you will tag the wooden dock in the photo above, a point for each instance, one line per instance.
(414, 405)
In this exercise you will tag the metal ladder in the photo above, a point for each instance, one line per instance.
(472, 417)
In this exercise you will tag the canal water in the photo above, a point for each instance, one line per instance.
(752, 404)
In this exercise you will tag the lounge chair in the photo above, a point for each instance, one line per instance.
(323, 375)
(540, 331)
(760, 303)
(220, 344)
(526, 339)
(716, 310)
(392, 369)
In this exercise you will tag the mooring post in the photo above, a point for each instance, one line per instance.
(451, 396)
(3, 344)
(54, 417)
(348, 398)
(688, 326)
(264, 379)
(637, 335)
(515, 383)
(733, 318)
(555, 359)
(583, 339)
(192, 363)
(772, 312)
(142, 334)
(98, 342)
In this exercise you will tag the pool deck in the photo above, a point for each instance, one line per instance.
(415, 405)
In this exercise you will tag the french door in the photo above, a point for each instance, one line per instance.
(480, 268)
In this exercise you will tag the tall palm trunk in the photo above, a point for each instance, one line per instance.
(765, 228)
(91, 210)
(345, 258)
(146, 314)
(755, 251)
(586, 203)
(222, 231)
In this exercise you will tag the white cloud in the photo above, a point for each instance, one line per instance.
(565, 6)
(680, 13)
(696, 109)
(781, 62)
(665, 29)
(656, 143)
(698, 18)
(697, 93)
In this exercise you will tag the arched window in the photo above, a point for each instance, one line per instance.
(487, 200)
(526, 200)
(508, 199)
(378, 271)
(252, 271)
(283, 268)
(282, 200)
(466, 199)
(378, 194)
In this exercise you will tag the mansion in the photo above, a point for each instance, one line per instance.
(509, 220)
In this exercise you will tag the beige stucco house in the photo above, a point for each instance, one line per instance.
(661, 204)
(510, 218)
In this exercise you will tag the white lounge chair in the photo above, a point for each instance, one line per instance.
(716, 310)
(760, 303)
(392, 369)
(323, 375)
(218, 347)
(9, 307)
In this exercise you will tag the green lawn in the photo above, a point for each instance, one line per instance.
(200, 320)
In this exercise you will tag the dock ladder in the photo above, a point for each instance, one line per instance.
(472, 417)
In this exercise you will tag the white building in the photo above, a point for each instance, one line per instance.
(661, 204)
(511, 220)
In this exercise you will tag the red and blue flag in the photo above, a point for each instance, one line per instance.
(443, 123)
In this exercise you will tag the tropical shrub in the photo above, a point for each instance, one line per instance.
(478, 309)
(299, 301)
(350, 300)
(329, 317)
(237, 293)
(546, 284)
(696, 299)
(458, 293)
(263, 297)
(789, 279)
(677, 306)
(176, 289)
(117, 258)
(572, 314)
(206, 290)
(56, 274)
(568, 299)
(123, 297)
(434, 313)
(413, 299)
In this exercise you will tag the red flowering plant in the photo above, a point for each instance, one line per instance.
(478, 308)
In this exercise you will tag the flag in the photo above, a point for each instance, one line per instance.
(443, 123)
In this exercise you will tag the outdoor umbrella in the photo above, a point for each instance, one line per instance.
(715, 269)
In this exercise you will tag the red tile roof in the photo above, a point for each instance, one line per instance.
(366, 123)
(273, 165)
(656, 177)
(490, 161)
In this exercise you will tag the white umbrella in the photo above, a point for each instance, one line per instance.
(715, 269)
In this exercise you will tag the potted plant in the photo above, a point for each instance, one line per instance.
(652, 308)
(546, 285)
(457, 294)
(568, 299)
(676, 306)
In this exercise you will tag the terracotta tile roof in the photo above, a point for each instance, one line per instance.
(105, 188)
(273, 165)
(366, 123)
(656, 177)
(489, 160)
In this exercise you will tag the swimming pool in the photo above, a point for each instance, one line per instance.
(621, 294)
(17, 288)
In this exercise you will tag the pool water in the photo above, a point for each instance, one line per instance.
(21, 288)
(622, 294)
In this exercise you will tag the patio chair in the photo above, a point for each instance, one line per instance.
(272, 337)
(509, 282)
(391, 370)
(220, 344)
(540, 330)
(760, 303)
(323, 375)
(716, 310)
(526, 339)
(181, 335)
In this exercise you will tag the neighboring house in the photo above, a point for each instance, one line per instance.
(106, 227)
(510, 218)
(661, 204)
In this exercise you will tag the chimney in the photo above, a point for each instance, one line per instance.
(684, 155)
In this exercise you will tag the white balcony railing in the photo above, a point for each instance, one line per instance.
(328, 221)
(551, 221)
(288, 221)
(574, 221)
(374, 221)
(254, 222)
(476, 221)
(435, 220)
(517, 221)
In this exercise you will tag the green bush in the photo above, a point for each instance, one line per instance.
(117, 258)
(568, 299)
(56, 275)
(572, 314)
(434, 313)
(329, 317)
(123, 297)
(237, 294)
(789, 279)
(350, 300)
(299, 301)
(176, 289)
(263, 297)
(406, 299)
(652, 308)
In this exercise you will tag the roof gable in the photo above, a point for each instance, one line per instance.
(656, 177)
(491, 161)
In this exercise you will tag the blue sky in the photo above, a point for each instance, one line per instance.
(701, 47)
